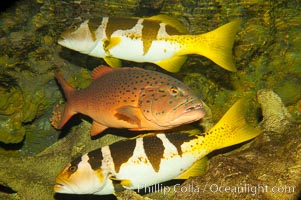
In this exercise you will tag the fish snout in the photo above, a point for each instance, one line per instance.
(59, 185)
(197, 110)
(195, 107)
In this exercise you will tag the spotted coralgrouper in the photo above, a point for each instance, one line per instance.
(131, 98)
(152, 159)
(160, 39)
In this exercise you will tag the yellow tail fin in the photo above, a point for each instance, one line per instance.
(231, 129)
(215, 45)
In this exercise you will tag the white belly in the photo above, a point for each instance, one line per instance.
(130, 49)
(143, 176)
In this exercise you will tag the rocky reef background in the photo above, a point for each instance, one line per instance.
(267, 52)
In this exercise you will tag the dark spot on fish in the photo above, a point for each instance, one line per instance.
(149, 33)
(115, 23)
(95, 158)
(154, 150)
(177, 139)
(76, 161)
(121, 152)
(171, 30)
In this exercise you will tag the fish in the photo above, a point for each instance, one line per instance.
(159, 39)
(131, 98)
(151, 159)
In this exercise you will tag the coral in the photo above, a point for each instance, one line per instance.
(19, 105)
(56, 115)
(279, 118)
(11, 102)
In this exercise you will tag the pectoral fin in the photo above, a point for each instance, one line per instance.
(113, 62)
(197, 169)
(172, 64)
(129, 114)
(112, 43)
(120, 185)
(97, 128)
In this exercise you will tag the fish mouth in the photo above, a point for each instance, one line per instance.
(189, 115)
(195, 107)
(58, 187)
(61, 188)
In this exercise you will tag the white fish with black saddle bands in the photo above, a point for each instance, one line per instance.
(159, 39)
(151, 159)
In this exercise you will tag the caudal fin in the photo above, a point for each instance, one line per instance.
(61, 116)
(216, 45)
(231, 129)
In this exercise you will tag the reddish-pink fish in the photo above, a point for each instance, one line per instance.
(131, 98)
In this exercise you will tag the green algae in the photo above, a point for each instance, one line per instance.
(11, 102)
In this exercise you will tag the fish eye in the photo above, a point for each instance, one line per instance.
(73, 27)
(72, 168)
(174, 91)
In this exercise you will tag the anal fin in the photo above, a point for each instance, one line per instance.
(172, 64)
(100, 71)
(97, 128)
(197, 169)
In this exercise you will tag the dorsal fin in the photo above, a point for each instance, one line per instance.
(100, 71)
(171, 21)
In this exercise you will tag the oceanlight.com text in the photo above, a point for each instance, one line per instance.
(251, 189)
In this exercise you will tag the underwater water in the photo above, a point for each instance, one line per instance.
(267, 55)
